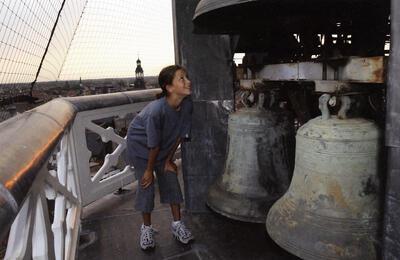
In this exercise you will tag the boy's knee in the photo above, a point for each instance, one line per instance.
(145, 198)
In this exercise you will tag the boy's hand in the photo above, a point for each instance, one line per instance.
(170, 166)
(147, 179)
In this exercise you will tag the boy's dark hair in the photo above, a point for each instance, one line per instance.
(165, 78)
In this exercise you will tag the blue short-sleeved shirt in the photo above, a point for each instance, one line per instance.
(158, 124)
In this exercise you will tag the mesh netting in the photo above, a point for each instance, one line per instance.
(92, 39)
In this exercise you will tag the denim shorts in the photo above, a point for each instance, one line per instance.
(170, 190)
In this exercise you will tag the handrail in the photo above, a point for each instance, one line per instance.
(28, 140)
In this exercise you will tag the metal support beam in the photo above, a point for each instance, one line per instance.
(352, 69)
(391, 227)
(324, 86)
(208, 60)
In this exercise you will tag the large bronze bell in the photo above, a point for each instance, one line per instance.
(332, 206)
(258, 167)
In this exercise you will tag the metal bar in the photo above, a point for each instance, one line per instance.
(53, 181)
(353, 69)
(325, 86)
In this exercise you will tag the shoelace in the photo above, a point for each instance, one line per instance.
(148, 235)
(182, 230)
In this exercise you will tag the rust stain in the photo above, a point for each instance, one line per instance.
(339, 251)
(378, 75)
(335, 190)
(377, 59)
(377, 64)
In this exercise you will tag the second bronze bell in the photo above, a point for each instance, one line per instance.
(258, 166)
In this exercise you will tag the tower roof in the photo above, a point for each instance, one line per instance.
(139, 69)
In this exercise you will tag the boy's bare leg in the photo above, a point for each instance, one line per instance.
(176, 211)
(146, 219)
(178, 228)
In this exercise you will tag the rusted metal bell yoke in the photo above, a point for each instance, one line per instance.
(332, 206)
(258, 167)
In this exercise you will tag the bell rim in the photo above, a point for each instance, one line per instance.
(291, 243)
(227, 197)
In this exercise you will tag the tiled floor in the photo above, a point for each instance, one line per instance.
(116, 224)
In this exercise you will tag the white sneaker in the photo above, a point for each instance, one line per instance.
(146, 237)
(181, 232)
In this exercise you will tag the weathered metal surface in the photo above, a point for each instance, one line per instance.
(391, 227)
(391, 224)
(332, 207)
(295, 71)
(324, 86)
(393, 91)
(338, 86)
(353, 69)
(331, 86)
(258, 166)
(364, 69)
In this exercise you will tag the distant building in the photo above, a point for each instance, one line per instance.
(139, 80)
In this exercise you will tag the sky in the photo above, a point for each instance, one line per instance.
(92, 39)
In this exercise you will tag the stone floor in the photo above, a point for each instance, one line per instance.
(112, 226)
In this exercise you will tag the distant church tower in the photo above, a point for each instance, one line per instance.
(139, 81)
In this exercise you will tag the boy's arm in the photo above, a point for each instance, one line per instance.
(173, 150)
(169, 164)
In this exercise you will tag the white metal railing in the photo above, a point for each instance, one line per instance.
(34, 233)
(48, 220)
(108, 178)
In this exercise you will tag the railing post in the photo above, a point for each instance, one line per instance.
(32, 234)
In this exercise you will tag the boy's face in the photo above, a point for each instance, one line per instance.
(181, 85)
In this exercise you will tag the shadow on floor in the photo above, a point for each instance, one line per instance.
(111, 225)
